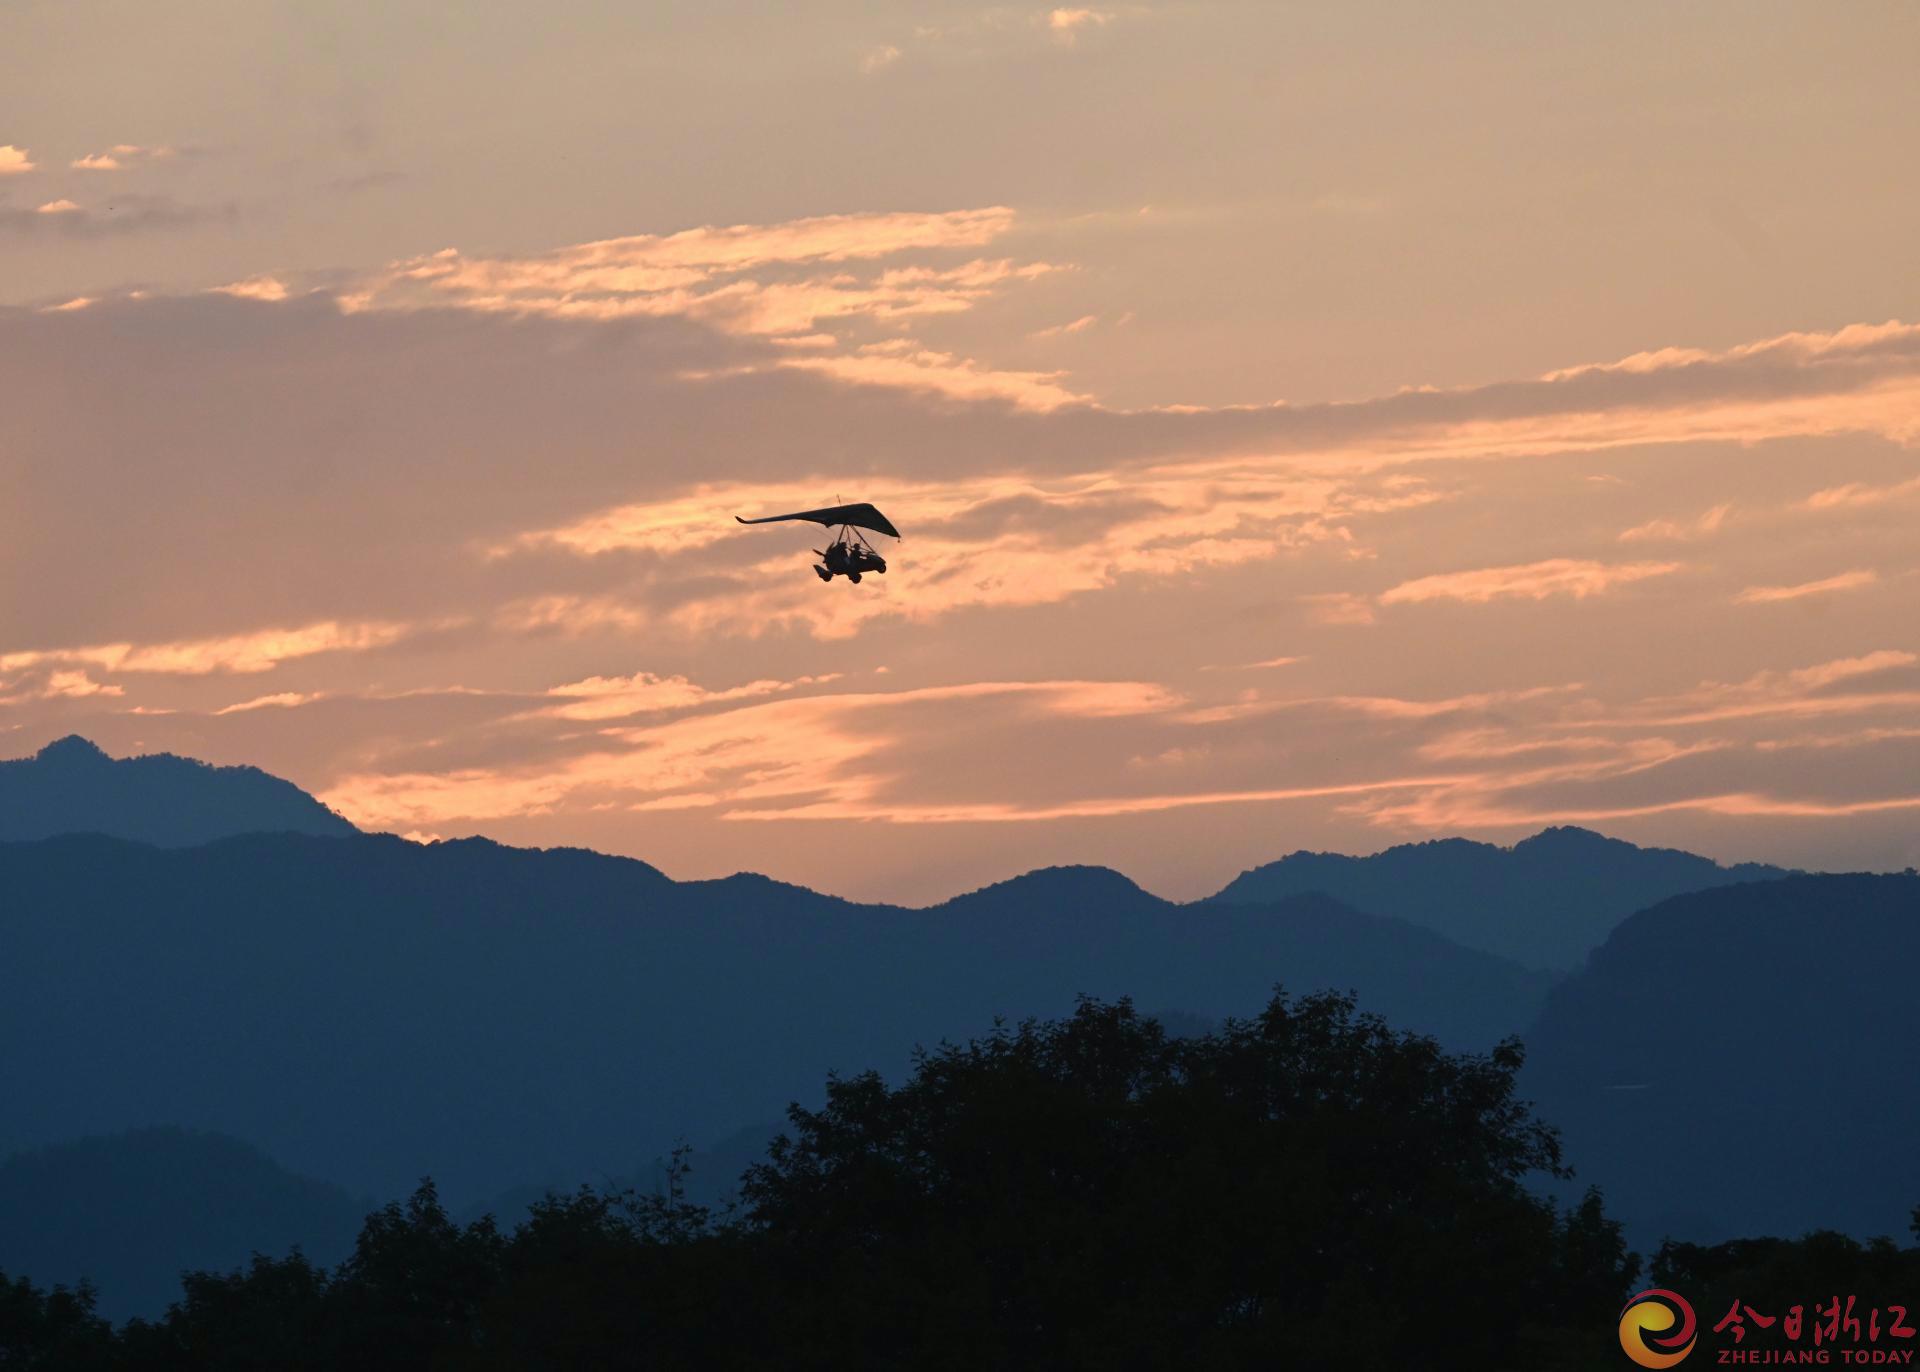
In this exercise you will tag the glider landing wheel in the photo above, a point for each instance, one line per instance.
(823, 573)
(854, 577)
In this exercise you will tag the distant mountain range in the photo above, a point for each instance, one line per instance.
(369, 1009)
(71, 787)
(1545, 902)
(1745, 1061)
(132, 1211)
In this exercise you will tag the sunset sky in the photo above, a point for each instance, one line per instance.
(1312, 426)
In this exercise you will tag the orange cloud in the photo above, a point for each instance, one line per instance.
(1840, 669)
(255, 288)
(1859, 379)
(702, 273)
(1376, 707)
(118, 157)
(1850, 342)
(769, 282)
(259, 651)
(602, 698)
(14, 161)
(1011, 812)
(943, 374)
(76, 685)
(1531, 756)
(279, 700)
(1854, 495)
(1467, 812)
(780, 752)
(1584, 760)
(1677, 530)
(1068, 24)
(1084, 322)
(1530, 581)
(1853, 738)
(57, 207)
(1846, 581)
(1803, 692)
(1498, 743)
(1502, 799)
(1252, 666)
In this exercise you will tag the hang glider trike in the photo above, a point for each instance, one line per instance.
(850, 554)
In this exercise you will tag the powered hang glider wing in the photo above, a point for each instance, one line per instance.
(861, 516)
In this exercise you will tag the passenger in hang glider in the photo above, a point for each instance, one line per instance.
(850, 554)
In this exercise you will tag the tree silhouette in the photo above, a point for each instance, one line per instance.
(1773, 1275)
(1308, 1185)
(52, 1330)
(270, 1314)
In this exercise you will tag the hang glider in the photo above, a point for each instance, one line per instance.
(861, 516)
(849, 555)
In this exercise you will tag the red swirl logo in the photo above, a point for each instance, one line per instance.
(1656, 1328)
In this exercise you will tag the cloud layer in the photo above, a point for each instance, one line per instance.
(451, 542)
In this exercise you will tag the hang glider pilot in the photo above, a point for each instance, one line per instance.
(850, 554)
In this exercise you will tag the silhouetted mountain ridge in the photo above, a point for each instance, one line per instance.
(1545, 902)
(71, 786)
(372, 1009)
(1075, 884)
(131, 1211)
(1741, 1060)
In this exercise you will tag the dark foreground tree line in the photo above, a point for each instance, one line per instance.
(1307, 1188)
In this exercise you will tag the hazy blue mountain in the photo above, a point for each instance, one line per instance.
(70, 787)
(373, 1010)
(1545, 902)
(1097, 921)
(132, 1211)
(1745, 1060)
